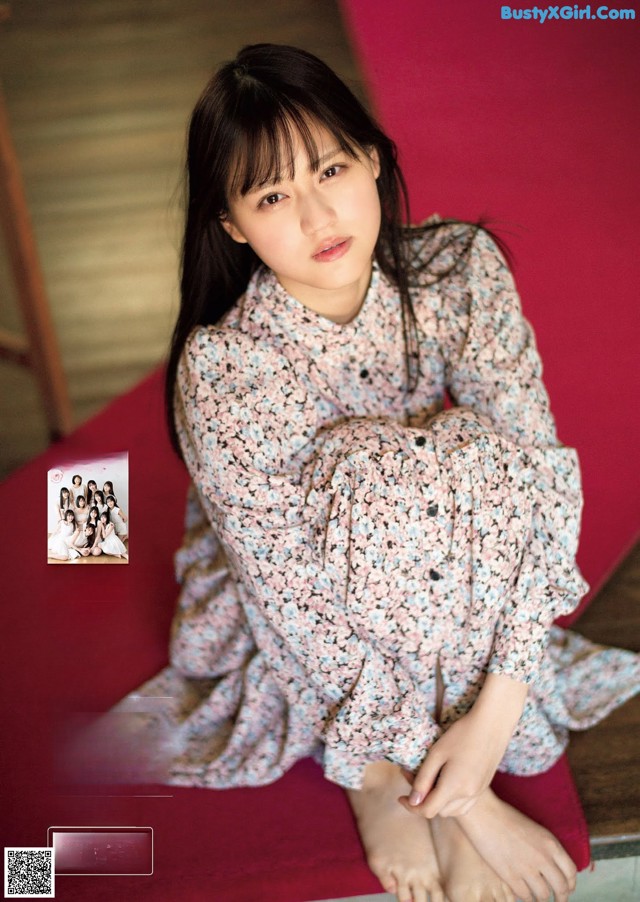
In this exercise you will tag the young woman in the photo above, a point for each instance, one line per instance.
(107, 540)
(107, 489)
(77, 488)
(99, 502)
(366, 578)
(91, 488)
(118, 517)
(84, 543)
(65, 502)
(94, 516)
(81, 510)
(61, 544)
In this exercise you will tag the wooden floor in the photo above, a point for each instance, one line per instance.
(86, 561)
(606, 759)
(99, 93)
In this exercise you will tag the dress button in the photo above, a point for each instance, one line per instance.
(364, 374)
(420, 441)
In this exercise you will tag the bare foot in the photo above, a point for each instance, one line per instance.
(398, 844)
(466, 876)
(525, 855)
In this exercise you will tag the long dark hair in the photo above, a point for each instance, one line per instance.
(241, 133)
(91, 540)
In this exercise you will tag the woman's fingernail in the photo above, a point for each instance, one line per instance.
(415, 798)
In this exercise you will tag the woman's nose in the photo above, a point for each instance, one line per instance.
(315, 214)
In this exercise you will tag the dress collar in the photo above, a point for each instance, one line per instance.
(267, 297)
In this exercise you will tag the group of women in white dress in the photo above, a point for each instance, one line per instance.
(90, 523)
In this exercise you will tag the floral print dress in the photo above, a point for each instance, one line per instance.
(344, 538)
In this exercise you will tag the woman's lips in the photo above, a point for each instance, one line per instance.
(332, 250)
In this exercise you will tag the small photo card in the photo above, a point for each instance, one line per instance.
(88, 511)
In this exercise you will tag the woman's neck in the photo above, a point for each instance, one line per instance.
(340, 305)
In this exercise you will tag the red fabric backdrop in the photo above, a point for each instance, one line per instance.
(537, 126)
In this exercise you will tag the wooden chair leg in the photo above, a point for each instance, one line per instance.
(42, 351)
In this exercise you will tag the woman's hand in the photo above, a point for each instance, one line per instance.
(458, 768)
(462, 763)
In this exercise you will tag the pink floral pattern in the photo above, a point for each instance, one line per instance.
(341, 537)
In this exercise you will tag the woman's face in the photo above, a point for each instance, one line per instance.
(76, 480)
(65, 493)
(317, 231)
(111, 503)
(69, 516)
(92, 486)
(103, 519)
(81, 501)
(107, 488)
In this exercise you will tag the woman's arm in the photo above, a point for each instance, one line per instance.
(493, 366)
(465, 759)
(492, 363)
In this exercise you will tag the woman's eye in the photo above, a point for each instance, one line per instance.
(331, 172)
(271, 200)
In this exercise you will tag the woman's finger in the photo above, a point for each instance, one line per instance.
(425, 779)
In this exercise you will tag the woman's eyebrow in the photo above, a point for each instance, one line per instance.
(314, 165)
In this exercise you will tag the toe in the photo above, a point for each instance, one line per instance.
(403, 892)
(505, 895)
(389, 884)
(419, 892)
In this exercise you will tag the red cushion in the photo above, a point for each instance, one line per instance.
(535, 125)
(78, 638)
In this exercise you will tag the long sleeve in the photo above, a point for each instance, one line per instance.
(549, 583)
(492, 363)
(493, 366)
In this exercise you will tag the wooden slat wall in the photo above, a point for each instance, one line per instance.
(99, 92)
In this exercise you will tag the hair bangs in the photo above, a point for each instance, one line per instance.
(266, 145)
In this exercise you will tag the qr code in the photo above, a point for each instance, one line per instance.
(29, 872)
